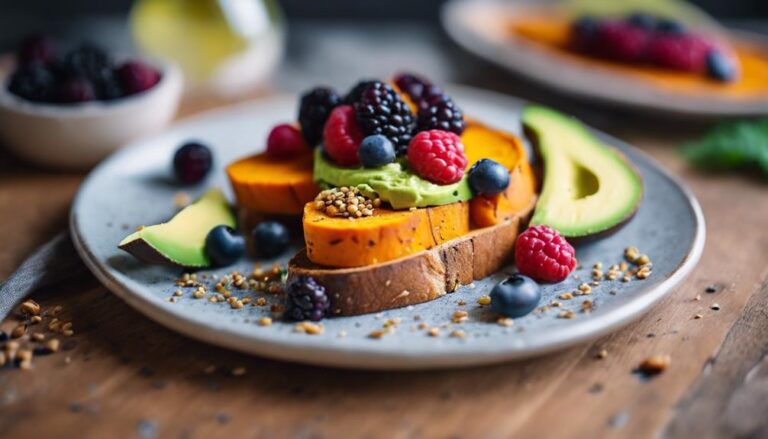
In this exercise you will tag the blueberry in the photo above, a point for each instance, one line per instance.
(643, 20)
(516, 296)
(586, 26)
(376, 151)
(670, 27)
(224, 246)
(192, 162)
(720, 66)
(487, 177)
(270, 239)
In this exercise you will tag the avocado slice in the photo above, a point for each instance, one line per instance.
(588, 188)
(181, 241)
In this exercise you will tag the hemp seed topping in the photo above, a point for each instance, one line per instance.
(346, 202)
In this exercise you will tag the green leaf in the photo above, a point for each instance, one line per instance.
(731, 145)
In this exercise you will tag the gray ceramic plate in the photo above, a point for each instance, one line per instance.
(481, 28)
(133, 188)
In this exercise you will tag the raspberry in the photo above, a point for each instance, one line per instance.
(285, 140)
(305, 299)
(439, 112)
(380, 110)
(437, 156)
(621, 41)
(541, 253)
(679, 52)
(342, 136)
(136, 77)
(315, 107)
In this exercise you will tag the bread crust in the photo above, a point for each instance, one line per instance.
(416, 278)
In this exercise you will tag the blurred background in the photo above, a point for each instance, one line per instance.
(317, 43)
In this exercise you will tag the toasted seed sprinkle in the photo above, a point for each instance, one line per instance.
(391, 323)
(655, 365)
(623, 266)
(565, 296)
(239, 371)
(38, 336)
(18, 331)
(346, 202)
(199, 294)
(308, 328)
(236, 304)
(52, 345)
(597, 274)
(698, 316)
(433, 332)
(30, 307)
(265, 321)
(715, 307)
(379, 333)
(585, 288)
(68, 333)
(460, 317)
(260, 301)
(626, 278)
(35, 319)
(631, 254)
(602, 354)
(461, 303)
(458, 333)
(484, 300)
(505, 321)
(643, 259)
(697, 298)
(598, 266)
(586, 306)
(25, 365)
(342, 334)
(555, 304)
(566, 314)
(422, 325)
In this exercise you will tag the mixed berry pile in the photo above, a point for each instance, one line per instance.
(646, 39)
(376, 123)
(85, 73)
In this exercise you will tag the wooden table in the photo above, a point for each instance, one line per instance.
(122, 375)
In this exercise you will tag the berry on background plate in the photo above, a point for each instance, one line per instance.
(720, 66)
(437, 156)
(679, 51)
(342, 136)
(192, 162)
(542, 254)
(515, 296)
(285, 140)
(305, 299)
(621, 41)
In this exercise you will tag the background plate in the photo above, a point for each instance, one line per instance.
(480, 28)
(133, 188)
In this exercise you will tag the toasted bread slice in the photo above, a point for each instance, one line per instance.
(419, 277)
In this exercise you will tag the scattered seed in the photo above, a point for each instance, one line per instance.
(505, 321)
(602, 354)
(566, 314)
(460, 316)
(18, 331)
(433, 332)
(458, 333)
(715, 307)
(484, 300)
(655, 365)
(30, 307)
(265, 321)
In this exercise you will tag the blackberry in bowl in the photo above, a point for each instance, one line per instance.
(69, 109)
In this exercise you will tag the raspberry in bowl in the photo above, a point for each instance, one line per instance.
(69, 109)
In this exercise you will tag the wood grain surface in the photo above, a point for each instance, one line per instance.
(122, 375)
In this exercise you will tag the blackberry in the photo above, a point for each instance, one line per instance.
(34, 83)
(305, 299)
(439, 112)
(315, 107)
(107, 85)
(357, 91)
(412, 85)
(380, 110)
(86, 61)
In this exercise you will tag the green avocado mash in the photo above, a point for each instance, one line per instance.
(393, 183)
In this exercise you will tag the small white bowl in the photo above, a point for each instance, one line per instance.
(78, 136)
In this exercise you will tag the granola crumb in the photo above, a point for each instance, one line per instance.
(433, 332)
(484, 300)
(505, 321)
(565, 296)
(458, 333)
(566, 314)
(460, 317)
(655, 365)
(308, 328)
(265, 321)
(379, 333)
(30, 307)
